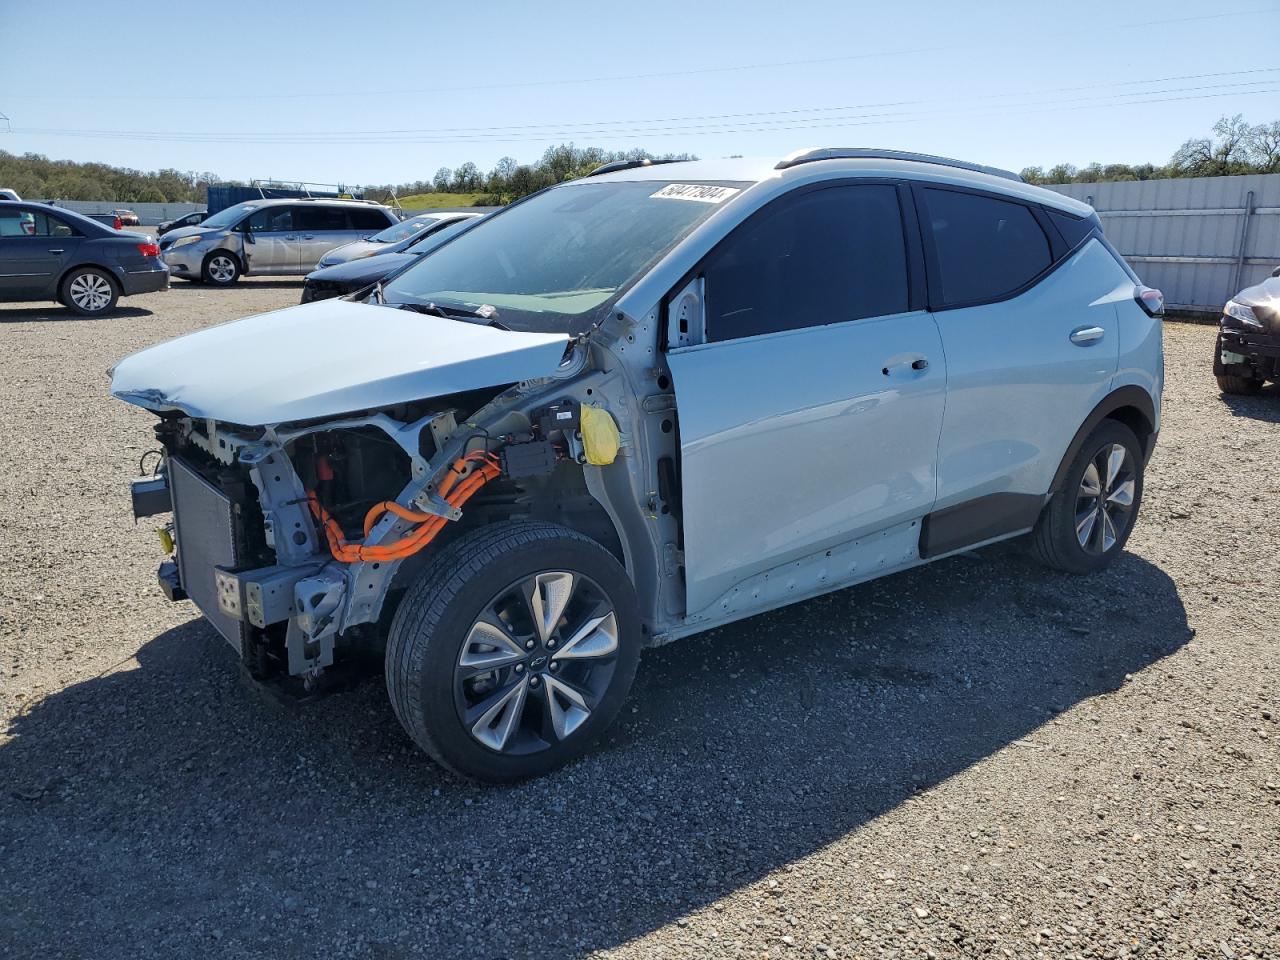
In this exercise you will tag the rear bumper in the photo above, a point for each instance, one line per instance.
(145, 281)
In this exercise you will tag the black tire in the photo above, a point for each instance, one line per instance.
(431, 626)
(221, 268)
(1238, 386)
(89, 292)
(1055, 540)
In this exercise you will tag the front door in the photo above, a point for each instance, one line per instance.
(35, 248)
(271, 242)
(810, 414)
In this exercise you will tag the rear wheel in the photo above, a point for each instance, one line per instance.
(221, 268)
(513, 650)
(89, 292)
(1087, 522)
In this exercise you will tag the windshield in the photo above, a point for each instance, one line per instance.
(405, 230)
(555, 262)
(230, 216)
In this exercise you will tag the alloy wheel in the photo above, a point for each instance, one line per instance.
(536, 662)
(1104, 502)
(222, 269)
(90, 292)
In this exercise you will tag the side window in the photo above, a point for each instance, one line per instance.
(366, 219)
(16, 223)
(319, 217)
(32, 223)
(49, 226)
(272, 219)
(986, 248)
(825, 256)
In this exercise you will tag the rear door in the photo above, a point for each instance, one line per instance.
(35, 248)
(1030, 332)
(321, 227)
(810, 414)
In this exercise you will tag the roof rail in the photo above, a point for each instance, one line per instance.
(617, 165)
(872, 153)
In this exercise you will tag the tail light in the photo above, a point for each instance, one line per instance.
(117, 224)
(1151, 300)
(149, 249)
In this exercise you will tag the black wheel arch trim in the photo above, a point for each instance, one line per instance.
(112, 272)
(1130, 397)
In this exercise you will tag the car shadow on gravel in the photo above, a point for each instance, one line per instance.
(163, 808)
(63, 315)
(245, 283)
(1265, 406)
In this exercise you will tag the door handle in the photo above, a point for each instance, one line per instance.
(55, 250)
(1083, 336)
(308, 236)
(915, 363)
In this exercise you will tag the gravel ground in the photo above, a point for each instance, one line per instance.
(978, 758)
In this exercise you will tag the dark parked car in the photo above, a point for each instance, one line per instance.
(344, 278)
(127, 217)
(1248, 349)
(190, 220)
(47, 253)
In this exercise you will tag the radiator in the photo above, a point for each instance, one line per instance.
(204, 520)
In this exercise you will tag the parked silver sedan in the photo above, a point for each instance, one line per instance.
(397, 238)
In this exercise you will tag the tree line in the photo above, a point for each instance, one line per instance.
(510, 180)
(1234, 146)
(36, 176)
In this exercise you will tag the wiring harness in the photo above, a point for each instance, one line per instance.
(457, 487)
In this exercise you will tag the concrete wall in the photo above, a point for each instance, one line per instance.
(1199, 239)
(149, 213)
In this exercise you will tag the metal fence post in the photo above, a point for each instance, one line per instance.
(1238, 276)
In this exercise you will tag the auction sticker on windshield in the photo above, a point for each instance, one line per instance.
(702, 193)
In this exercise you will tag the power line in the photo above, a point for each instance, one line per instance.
(331, 94)
(552, 133)
(586, 127)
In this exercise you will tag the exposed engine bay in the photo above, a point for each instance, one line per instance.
(291, 538)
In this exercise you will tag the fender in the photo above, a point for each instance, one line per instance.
(1139, 407)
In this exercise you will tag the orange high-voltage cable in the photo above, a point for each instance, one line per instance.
(455, 489)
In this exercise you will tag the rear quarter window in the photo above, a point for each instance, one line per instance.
(984, 249)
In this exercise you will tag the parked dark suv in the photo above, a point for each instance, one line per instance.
(47, 253)
(1248, 349)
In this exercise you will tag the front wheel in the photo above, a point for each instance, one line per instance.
(513, 650)
(1087, 522)
(1239, 386)
(89, 292)
(221, 269)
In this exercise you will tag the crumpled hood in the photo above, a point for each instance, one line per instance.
(327, 358)
(1264, 298)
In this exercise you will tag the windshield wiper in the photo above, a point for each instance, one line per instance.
(485, 314)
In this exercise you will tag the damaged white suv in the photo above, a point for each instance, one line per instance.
(639, 405)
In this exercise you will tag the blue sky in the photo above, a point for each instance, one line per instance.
(314, 91)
